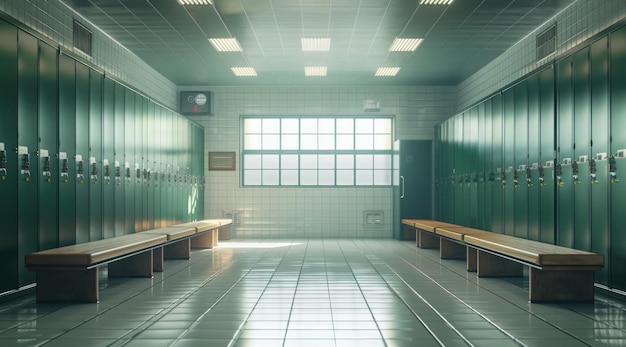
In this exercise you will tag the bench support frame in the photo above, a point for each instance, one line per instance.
(427, 240)
(553, 285)
(207, 239)
(67, 284)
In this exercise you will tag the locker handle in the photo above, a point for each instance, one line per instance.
(402, 184)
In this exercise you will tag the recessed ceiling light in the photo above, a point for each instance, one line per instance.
(387, 71)
(315, 44)
(195, 2)
(243, 71)
(226, 45)
(404, 45)
(435, 2)
(316, 71)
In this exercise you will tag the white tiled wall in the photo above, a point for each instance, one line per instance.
(577, 23)
(311, 212)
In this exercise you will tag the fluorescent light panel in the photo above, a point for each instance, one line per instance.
(195, 2)
(315, 44)
(387, 71)
(243, 71)
(435, 2)
(315, 71)
(226, 45)
(404, 45)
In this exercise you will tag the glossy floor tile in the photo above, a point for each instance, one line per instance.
(318, 293)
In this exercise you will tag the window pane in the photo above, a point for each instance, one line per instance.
(252, 126)
(252, 161)
(382, 162)
(327, 177)
(382, 126)
(308, 161)
(364, 177)
(382, 142)
(252, 177)
(289, 161)
(308, 125)
(345, 126)
(270, 177)
(271, 126)
(326, 126)
(290, 142)
(308, 142)
(308, 177)
(345, 161)
(364, 126)
(345, 177)
(252, 142)
(345, 142)
(270, 161)
(290, 125)
(327, 142)
(382, 177)
(271, 142)
(364, 161)
(364, 142)
(289, 177)
(326, 162)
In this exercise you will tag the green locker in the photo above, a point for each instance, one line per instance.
(600, 149)
(563, 168)
(531, 176)
(520, 160)
(130, 170)
(158, 166)
(139, 163)
(48, 145)
(95, 183)
(9, 168)
(449, 179)
(67, 149)
(581, 141)
(108, 158)
(82, 153)
(489, 170)
(547, 183)
(497, 165)
(480, 168)
(120, 172)
(459, 171)
(508, 145)
(149, 130)
(616, 258)
(471, 158)
(27, 140)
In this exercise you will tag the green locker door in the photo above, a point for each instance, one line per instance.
(497, 221)
(448, 208)
(108, 158)
(9, 168)
(508, 145)
(617, 245)
(600, 144)
(120, 160)
(95, 169)
(459, 171)
(531, 176)
(158, 166)
(580, 164)
(82, 153)
(547, 183)
(139, 163)
(480, 167)
(67, 149)
(563, 168)
(471, 158)
(27, 140)
(48, 145)
(149, 162)
(521, 160)
(129, 162)
(489, 170)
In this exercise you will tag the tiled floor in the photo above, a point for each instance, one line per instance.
(319, 293)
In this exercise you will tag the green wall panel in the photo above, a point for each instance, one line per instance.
(95, 169)
(10, 169)
(547, 185)
(82, 153)
(565, 141)
(120, 160)
(27, 139)
(108, 158)
(48, 135)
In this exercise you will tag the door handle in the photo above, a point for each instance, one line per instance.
(402, 189)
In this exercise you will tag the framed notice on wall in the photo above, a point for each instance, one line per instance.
(221, 161)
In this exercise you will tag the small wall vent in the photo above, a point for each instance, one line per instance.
(234, 215)
(82, 39)
(546, 42)
(373, 218)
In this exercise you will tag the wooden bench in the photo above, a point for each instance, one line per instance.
(177, 246)
(207, 233)
(71, 273)
(425, 231)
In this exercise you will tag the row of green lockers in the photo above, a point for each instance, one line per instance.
(542, 158)
(83, 157)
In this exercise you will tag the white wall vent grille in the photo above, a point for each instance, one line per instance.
(234, 215)
(373, 218)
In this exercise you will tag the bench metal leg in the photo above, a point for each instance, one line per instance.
(67, 286)
(139, 265)
(157, 259)
(570, 286)
(427, 240)
(178, 250)
(490, 265)
(472, 259)
(451, 250)
(203, 240)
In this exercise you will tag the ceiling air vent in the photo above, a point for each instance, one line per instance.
(82, 38)
(546, 42)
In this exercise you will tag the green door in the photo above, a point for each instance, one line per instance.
(108, 158)
(82, 153)
(95, 168)
(119, 163)
(563, 168)
(547, 183)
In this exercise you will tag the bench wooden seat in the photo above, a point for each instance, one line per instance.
(453, 246)
(70, 273)
(425, 232)
(207, 233)
(178, 245)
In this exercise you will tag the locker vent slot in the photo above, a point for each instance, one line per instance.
(373, 218)
(82, 38)
(234, 215)
(546, 42)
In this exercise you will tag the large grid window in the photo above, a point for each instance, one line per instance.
(316, 151)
